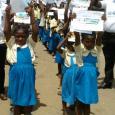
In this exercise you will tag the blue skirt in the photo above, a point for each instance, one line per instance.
(86, 89)
(45, 38)
(41, 32)
(21, 88)
(68, 85)
(59, 58)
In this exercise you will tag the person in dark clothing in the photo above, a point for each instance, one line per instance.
(3, 48)
(108, 40)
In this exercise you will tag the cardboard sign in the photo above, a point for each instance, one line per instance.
(61, 13)
(22, 17)
(50, 13)
(19, 5)
(87, 21)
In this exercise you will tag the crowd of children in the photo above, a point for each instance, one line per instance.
(76, 55)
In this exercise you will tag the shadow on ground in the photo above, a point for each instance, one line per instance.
(38, 105)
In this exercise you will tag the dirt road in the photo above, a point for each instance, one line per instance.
(47, 84)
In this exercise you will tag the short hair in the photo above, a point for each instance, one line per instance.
(18, 26)
(88, 35)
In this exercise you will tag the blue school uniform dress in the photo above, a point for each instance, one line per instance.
(54, 41)
(46, 36)
(41, 27)
(21, 88)
(58, 58)
(68, 79)
(86, 89)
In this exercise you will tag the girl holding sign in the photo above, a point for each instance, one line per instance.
(86, 91)
(20, 55)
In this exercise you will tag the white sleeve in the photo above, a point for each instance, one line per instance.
(11, 42)
(99, 49)
(78, 51)
(30, 41)
(64, 52)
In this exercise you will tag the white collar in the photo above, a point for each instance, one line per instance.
(92, 51)
(18, 46)
(71, 53)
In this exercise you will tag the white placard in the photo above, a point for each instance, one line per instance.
(0, 17)
(80, 4)
(19, 5)
(50, 13)
(2, 10)
(110, 11)
(22, 17)
(3, 1)
(87, 21)
(61, 13)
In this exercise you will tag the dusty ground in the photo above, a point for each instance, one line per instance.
(47, 84)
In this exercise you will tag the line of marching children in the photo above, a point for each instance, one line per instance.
(77, 56)
(75, 53)
(80, 70)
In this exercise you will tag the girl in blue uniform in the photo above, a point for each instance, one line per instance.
(69, 69)
(46, 35)
(86, 91)
(54, 37)
(20, 55)
(59, 60)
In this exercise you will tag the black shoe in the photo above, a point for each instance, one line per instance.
(105, 85)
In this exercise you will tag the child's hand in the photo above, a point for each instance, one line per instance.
(72, 16)
(29, 10)
(104, 17)
(8, 10)
(69, 34)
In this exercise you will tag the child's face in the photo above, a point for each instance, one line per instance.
(89, 43)
(70, 46)
(20, 37)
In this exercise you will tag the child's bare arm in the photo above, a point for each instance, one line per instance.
(66, 11)
(62, 43)
(30, 11)
(99, 38)
(7, 24)
(77, 40)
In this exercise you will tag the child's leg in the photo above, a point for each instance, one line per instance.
(63, 106)
(16, 110)
(59, 74)
(60, 85)
(59, 69)
(86, 109)
(79, 108)
(27, 110)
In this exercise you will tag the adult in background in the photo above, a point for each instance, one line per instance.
(2, 53)
(108, 40)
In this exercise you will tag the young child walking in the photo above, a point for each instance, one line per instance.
(86, 90)
(69, 69)
(20, 55)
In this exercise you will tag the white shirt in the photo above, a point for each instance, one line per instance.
(109, 6)
(12, 50)
(37, 13)
(2, 14)
(67, 57)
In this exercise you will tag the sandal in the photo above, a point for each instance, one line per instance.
(12, 109)
(3, 97)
